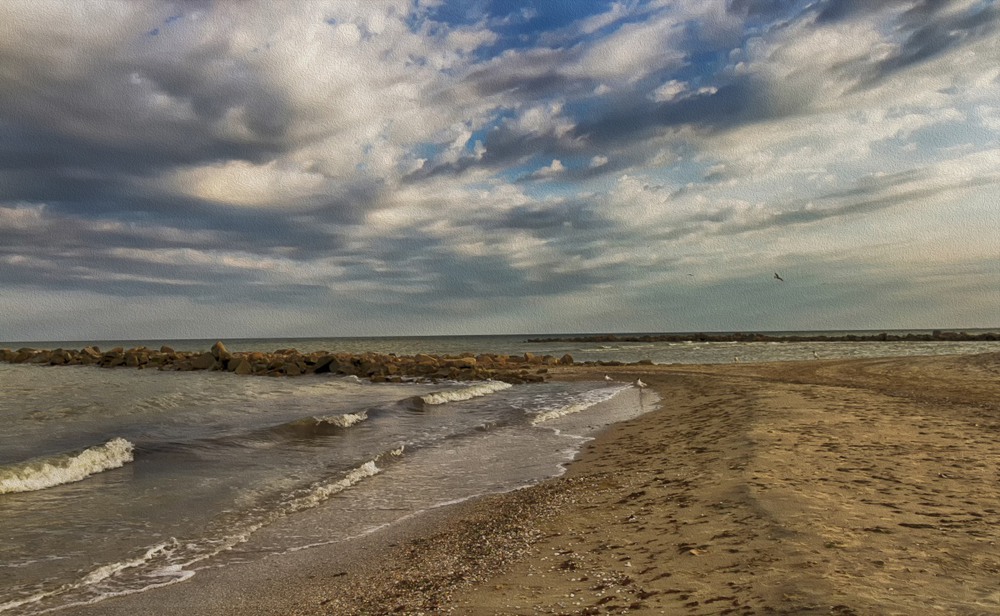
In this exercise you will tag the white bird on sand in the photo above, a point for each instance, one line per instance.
(638, 383)
(608, 378)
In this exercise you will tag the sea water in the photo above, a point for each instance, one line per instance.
(118, 481)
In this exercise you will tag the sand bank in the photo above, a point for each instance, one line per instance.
(843, 487)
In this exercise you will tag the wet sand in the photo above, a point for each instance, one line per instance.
(825, 487)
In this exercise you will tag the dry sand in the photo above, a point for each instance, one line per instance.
(824, 487)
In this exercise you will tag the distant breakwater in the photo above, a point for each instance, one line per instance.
(376, 367)
(936, 335)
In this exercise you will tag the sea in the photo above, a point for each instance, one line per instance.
(118, 481)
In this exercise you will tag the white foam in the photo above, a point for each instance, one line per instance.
(41, 473)
(561, 412)
(589, 399)
(342, 421)
(99, 584)
(465, 393)
(102, 573)
(98, 575)
(322, 491)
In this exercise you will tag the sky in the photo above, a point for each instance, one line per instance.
(228, 169)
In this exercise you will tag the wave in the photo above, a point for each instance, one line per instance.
(93, 586)
(319, 424)
(172, 561)
(299, 430)
(581, 403)
(47, 472)
(465, 393)
(319, 492)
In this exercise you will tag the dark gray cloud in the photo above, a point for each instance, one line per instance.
(838, 10)
(924, 31)
(869, 196)
(575, 215)
(742, 101)
(933, 35)
(765, 8)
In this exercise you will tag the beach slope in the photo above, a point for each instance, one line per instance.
(849, 487)
(824, 487)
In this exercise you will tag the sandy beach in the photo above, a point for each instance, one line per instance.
(823, 487)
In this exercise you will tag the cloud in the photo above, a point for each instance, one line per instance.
(420, 160)
(553, 169)
(631, 53)
(669, 91)
(244, 183)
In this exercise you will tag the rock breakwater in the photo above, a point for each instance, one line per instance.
(935, 336)
(377, 367)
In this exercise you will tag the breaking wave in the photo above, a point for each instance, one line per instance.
(320, 424)
(172, 561)
(319, 492)
(580, 403)
(465, 393)
(46, 472)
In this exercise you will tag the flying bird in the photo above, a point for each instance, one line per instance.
(778, 277)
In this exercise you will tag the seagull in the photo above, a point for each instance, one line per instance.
(638, 383)
(608, 378)
(778, 277)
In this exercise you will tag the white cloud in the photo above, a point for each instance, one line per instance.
(543, 119)
(466, 40)
(245, 184)
(669, 91)
(23, 217)
(617, 11)
(631, 52)
(553, 169)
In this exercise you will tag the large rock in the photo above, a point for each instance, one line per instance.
(59, 357)
(462, 362)
(291, 368)
(325, 363)
(240, 365)
(41, 357)
(220, 352)
(24, 354)
(135, 358)
(113, 358)
(205, 361)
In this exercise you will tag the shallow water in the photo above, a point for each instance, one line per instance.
(117, 480)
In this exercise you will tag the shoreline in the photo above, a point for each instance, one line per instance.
(846, 486)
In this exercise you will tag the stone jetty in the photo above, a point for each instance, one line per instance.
(936, 335)
(376, 367)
